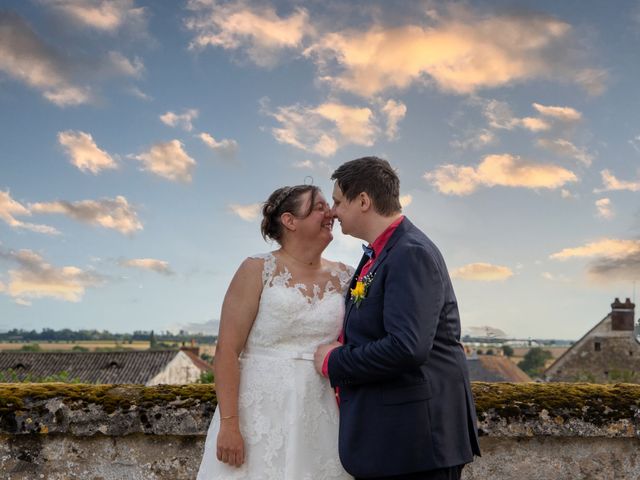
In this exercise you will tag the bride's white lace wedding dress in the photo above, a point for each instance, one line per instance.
(288, 412)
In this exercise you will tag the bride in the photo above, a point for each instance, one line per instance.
(276, 417)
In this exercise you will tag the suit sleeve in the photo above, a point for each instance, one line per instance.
(413, 300)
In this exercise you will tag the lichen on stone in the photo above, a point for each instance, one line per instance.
(593, 403)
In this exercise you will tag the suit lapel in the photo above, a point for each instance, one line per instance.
(404, 226)
(352, 284)
(347, 299)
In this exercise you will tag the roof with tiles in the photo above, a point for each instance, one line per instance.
(495, 368)
(136, 367)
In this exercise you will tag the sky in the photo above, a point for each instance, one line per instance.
(139, 139)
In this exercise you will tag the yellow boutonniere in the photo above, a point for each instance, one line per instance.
(359, 292)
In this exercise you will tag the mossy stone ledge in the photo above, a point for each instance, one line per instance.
(80, 409)
(558, 409)
(504, 409)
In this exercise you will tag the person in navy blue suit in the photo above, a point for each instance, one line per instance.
(399, 369)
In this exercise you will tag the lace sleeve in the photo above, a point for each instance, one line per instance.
(344, 274)
(269, 266)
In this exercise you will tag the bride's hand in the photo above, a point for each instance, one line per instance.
(230, 445)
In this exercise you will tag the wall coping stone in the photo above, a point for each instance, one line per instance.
(515, 410)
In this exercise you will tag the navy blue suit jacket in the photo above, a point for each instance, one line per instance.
(405, 399)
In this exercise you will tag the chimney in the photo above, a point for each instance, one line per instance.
(193, 348)
(622, 315)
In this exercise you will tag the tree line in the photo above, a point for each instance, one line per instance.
(68, 335)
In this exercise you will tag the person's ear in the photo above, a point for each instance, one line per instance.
(288, 221)
(365, 201)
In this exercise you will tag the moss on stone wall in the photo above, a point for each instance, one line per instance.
(593, 403)
(15, 396)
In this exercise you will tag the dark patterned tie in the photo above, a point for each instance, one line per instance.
(368, 251)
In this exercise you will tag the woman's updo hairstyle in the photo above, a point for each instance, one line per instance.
(285, 199)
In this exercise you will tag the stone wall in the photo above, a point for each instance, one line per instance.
(532, 431)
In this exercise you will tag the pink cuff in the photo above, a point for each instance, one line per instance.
(325, 363)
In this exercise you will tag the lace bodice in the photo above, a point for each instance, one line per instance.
(292, 318)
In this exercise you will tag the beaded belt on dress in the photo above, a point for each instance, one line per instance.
(276, 353)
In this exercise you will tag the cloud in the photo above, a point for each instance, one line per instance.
(565, 148)
(168, 160)
(136, 92)
(635, 143)
(533, 124)
(500, 116)
(555, 277)
(610, 182)
(485, 272)
(116, 214)
(323, 129)
(323, 168)
(553, 119)
(26, 58)
(10, 209)
(225, 148)
(613, 259)
(353, 123)
(84, 153)
(107, 16)
(183, 120)
(257, 30)
(564, 193)
(406, 200)
(394, 111)
(618, 269)
(121, 65)
(303, 164)
(563, 114)
(604, 208)
(609, 248)
(35, 278)
(475, 140)
(460, 52)
(498, 170)
(57, 73)
(248, 213)
(158, 266)
(592, 80)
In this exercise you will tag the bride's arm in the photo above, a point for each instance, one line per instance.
(239, 310)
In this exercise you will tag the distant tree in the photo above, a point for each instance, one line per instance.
(152, 341)
(206, 357)
(490, 351)
(206, 377)
(78, 348)
(31, 347)
(534, 361)
(507, 350)
(479, 351)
